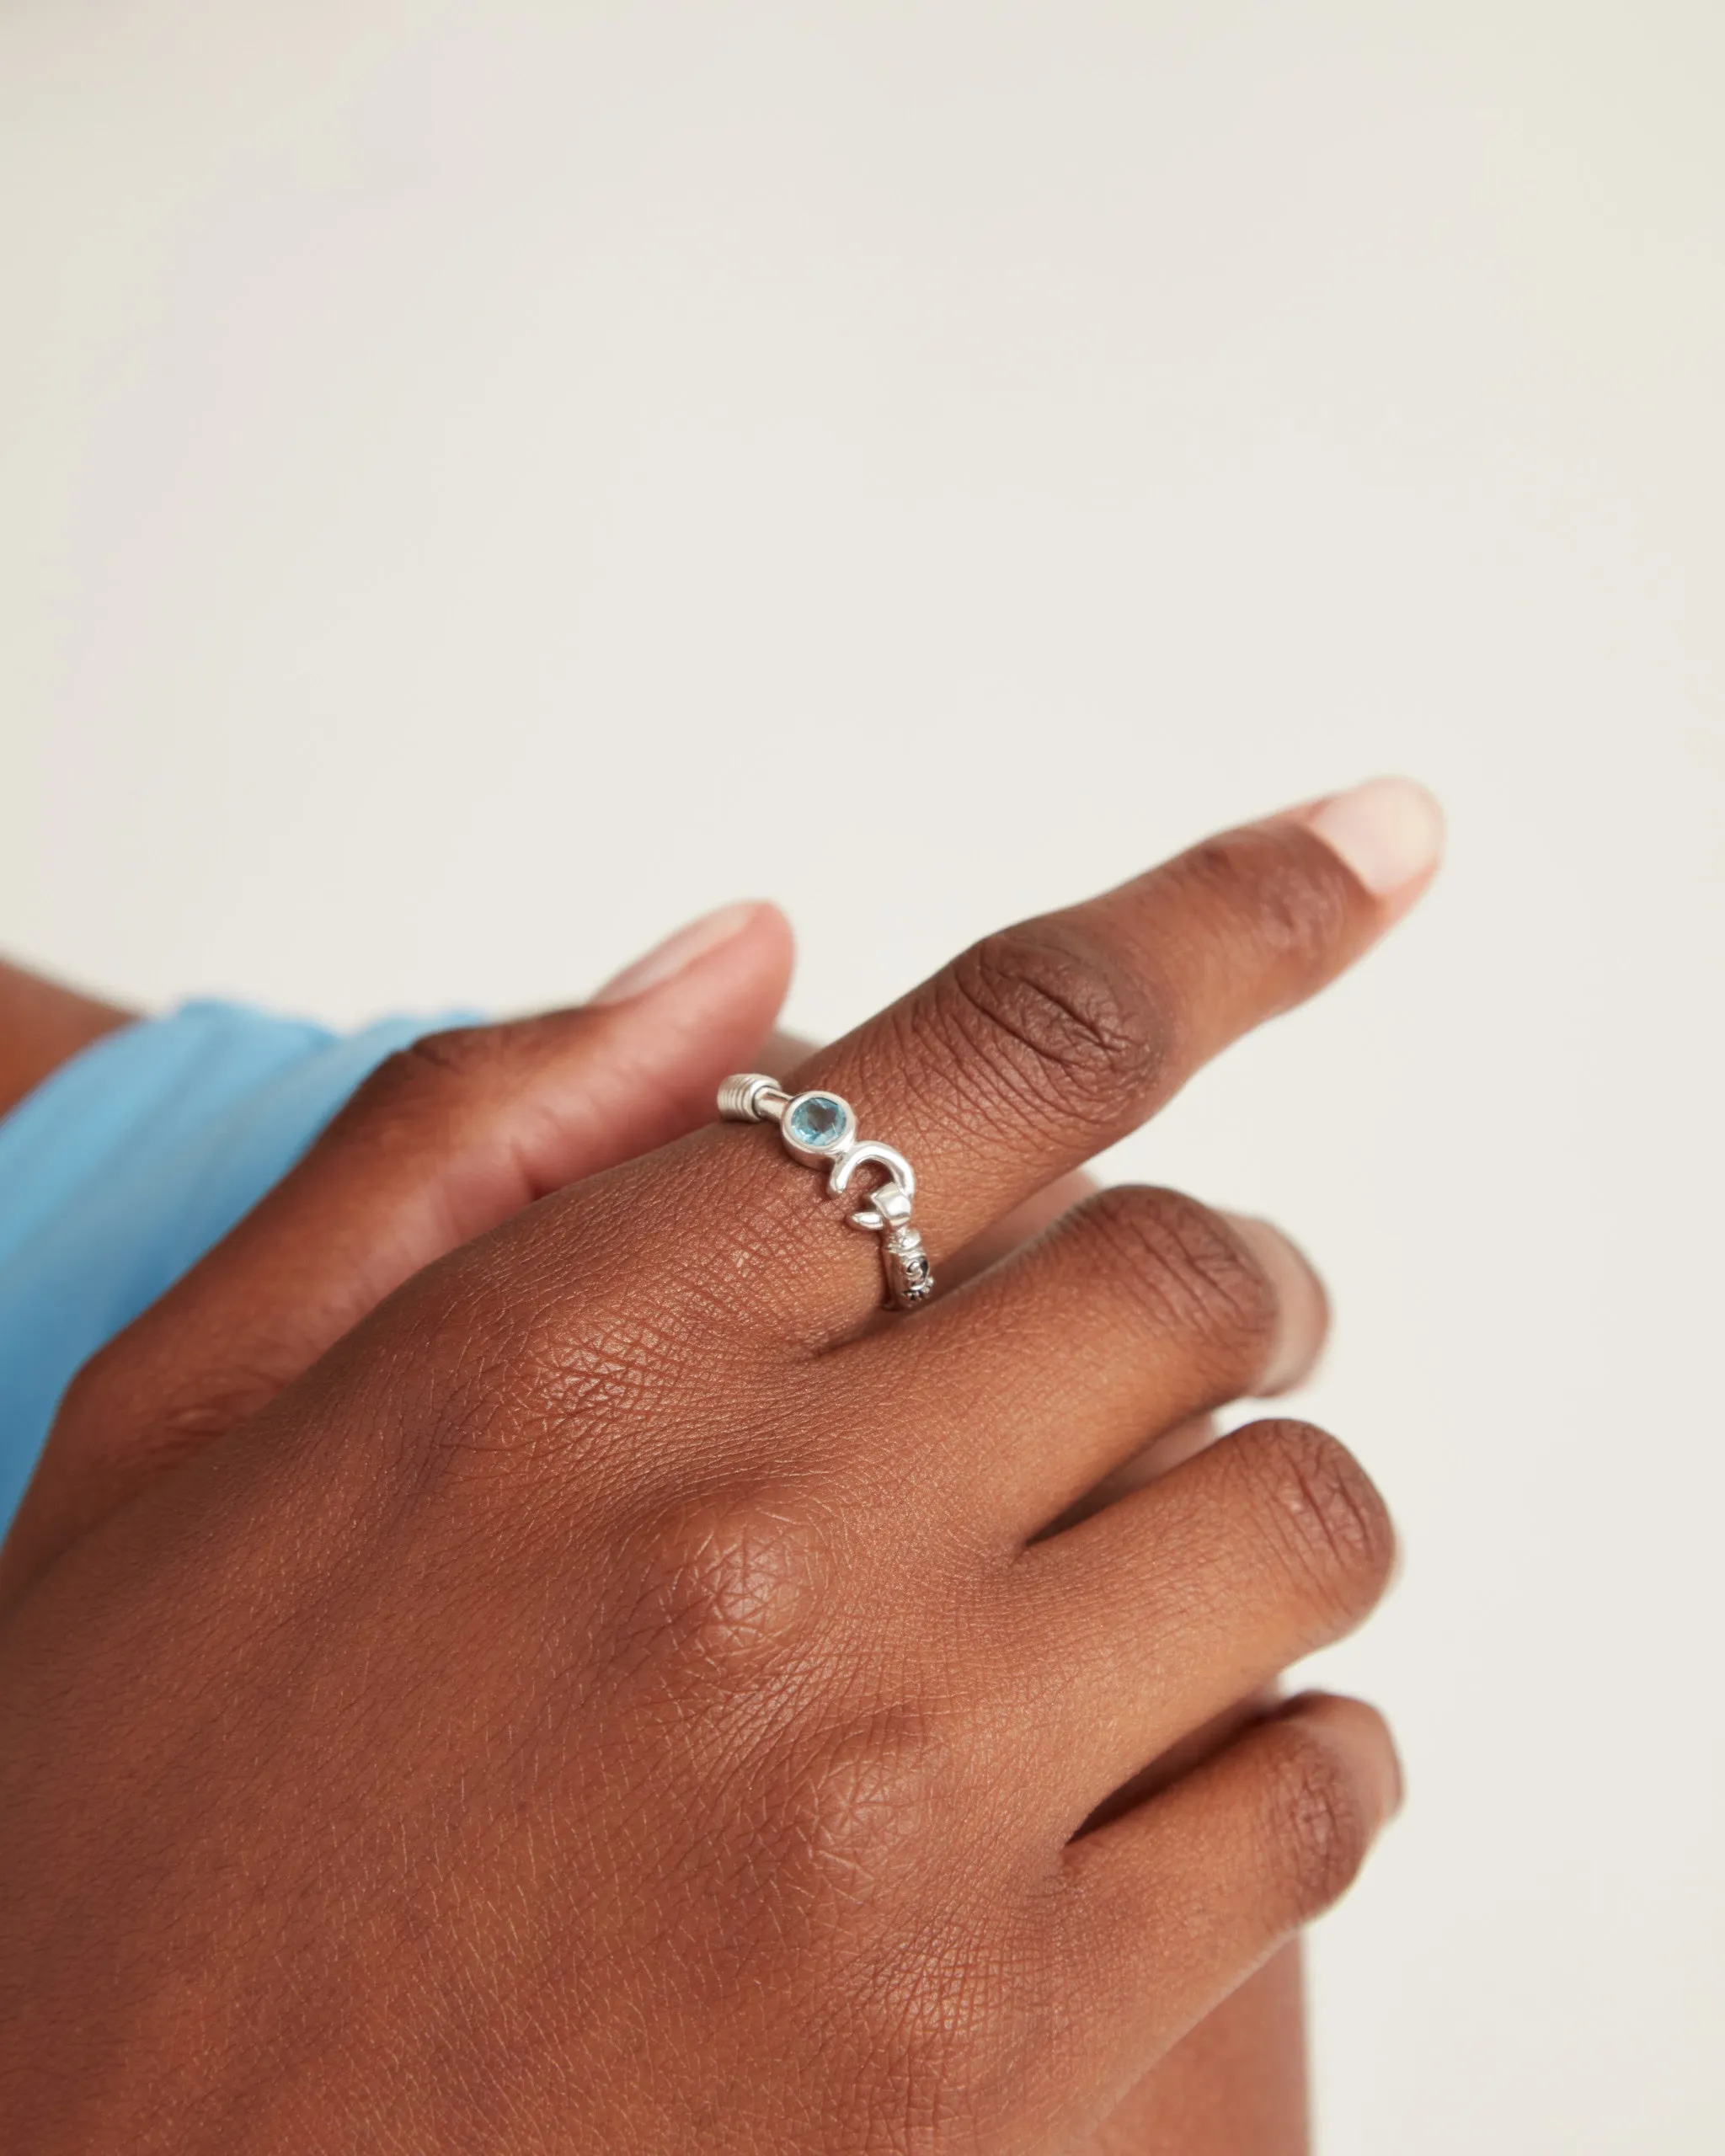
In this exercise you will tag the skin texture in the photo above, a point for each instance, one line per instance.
(618, 1692)
(41, 1024)
(1234, 2085)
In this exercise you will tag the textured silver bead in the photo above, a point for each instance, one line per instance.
(910, 1279)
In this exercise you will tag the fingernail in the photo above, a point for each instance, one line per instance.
(1390, 832)
(670, 957)
(1302, 1311)
(1394, 1783)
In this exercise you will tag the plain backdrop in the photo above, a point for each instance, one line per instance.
(480, 484)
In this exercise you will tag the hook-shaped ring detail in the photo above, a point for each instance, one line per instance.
(898, 1168)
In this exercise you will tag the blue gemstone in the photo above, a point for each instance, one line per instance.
(817, 1119)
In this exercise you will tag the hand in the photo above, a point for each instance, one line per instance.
(614, 1697)
(398, 1183)
(566, 1094)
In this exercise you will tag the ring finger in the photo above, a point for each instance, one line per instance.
(1185, 1597)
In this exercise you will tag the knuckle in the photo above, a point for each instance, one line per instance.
(1193, 1272)
(536, 1364)
(131, 1397)
(453, 1053)
(185, 1421)
(97, 1396)
(846, 1816)
(724, 1584)
(429, 1074)
(1061, 1026)
(1262, 879)
(1318, 1822)
(1322, 1513)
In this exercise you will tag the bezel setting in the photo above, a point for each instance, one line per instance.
(831, 1146)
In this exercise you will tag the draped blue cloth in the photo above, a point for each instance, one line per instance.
(123, 1167)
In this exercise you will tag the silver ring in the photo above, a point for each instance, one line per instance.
(820, 1129)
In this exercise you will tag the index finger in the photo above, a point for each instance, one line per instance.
(1046, 1043)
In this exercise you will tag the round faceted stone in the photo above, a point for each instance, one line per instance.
(818, 1119)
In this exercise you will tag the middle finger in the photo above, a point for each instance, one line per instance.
(1139, 1310)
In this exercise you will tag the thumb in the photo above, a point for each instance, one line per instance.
(445, 1140)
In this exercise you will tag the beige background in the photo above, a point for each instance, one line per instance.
(480, 484)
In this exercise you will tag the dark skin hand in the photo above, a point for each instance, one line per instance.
(1233, 2086)
(41, 1025)
(618, 1694)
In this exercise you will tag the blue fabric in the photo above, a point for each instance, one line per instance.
(122, 1168)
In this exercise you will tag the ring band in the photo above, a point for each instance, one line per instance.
(819, 1129)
